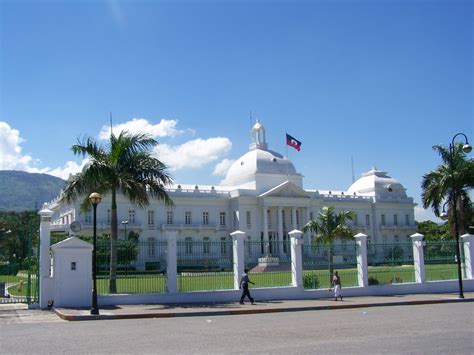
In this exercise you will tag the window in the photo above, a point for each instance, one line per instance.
(151, 218)
(205, 245)
(407, 219)
(151, 247)
(298, 218)
(311, 216)
(249, 221)
(223, 246)
(396, 239)
(356, 222)
(205, 218)
(188, 245)
(131, 216)
(249, 245)
(222, 219)
(88, 217)
(382, 218)
(269, 219)
(187, 217)
(108, 216)
(344, 245)
(169, 217)
(283, 219)
(367, 220)
(395, 220)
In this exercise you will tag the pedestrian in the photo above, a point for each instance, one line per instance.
(244, 285)
(336, 283)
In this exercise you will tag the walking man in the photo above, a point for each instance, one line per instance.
(244, 285)
(336, 283)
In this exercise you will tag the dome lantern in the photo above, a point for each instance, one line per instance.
(258, 137)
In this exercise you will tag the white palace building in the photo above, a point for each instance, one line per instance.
(263, 196)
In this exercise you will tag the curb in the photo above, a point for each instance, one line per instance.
(70, 317)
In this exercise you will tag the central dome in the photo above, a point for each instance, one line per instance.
(259, 161)
(260, 168)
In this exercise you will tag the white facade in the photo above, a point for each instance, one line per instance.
(263, 196)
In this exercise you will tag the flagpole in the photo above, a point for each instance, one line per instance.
(286, 147)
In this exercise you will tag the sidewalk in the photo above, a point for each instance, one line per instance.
(218, 309)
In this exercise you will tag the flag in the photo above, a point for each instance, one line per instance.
(293, 142)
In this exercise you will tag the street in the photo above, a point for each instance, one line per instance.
(438, 328)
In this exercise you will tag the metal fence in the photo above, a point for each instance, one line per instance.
(269, 263)
(440, 260)
(390, 263)
(321, 260)
(141, 266)
(205, 265)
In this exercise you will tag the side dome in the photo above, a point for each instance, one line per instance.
(259, 161)
(377, 183)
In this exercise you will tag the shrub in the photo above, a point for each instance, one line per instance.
(373, 281)
(310, 281)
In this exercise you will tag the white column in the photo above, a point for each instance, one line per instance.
(238, 238)
(362, 269)
(418, 257)
(468, 241)
(296, 258)
(308, 233)
(46, 281)
(280, 224)
(293, 216)
(171, 261)
(265, 230)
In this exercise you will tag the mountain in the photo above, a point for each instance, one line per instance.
(22, 191)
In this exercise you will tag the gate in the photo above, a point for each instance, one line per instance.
(19, 274)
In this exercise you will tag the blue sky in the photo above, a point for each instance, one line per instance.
(379, 81)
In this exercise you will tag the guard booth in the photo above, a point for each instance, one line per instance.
(72, 273)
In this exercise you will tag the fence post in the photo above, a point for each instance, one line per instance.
(45, 281)
(238, 238)
(171, 262)
(418, 257)
(362, 268)
(468, 241)
(296, 258)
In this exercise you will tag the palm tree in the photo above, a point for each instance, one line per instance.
(437, 186)
(124, 165)
(329, 226)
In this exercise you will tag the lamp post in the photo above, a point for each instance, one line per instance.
(125, 226)
(95, 199)
(467, 149)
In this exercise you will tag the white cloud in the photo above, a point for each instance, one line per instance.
(422, 214)
(166, 128)
(12, 159)
(194, 153)
(222, 167)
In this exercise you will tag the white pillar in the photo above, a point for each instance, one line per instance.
(308, 218)
(172, 264)
(265, 230)
(238, 238)
(296, 258)
(293, 217)
(418, 257)
(46, 281)
(280, 224)
(362, 268)
(468, 242)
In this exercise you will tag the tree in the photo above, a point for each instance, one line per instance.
(329, 226)
(124, 165)
(437, 187)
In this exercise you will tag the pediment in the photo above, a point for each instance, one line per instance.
(286, 189)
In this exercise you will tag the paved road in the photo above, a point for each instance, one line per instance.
(439, 328)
